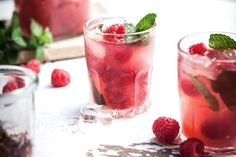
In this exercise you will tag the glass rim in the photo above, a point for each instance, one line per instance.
(87, 30)
(33, 84)
(187, 54)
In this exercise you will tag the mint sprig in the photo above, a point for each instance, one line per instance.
(221, 41)
(12, 40)
(146, 22)
(211, 99)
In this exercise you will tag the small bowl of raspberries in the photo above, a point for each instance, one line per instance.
(167, 130)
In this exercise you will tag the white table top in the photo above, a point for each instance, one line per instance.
(58, 133)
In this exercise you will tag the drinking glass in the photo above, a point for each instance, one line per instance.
(119, 66)
(63, 17)
(207, 90)
(17, 86)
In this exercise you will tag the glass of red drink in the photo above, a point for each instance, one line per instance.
(63, 17)
(119, 65)
(207, 89)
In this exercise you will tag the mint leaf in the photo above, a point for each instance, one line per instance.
(45, 37)
(12, 54)
(146, 22)
(1, 56)
(221, 41)
(39, 53)
(212, 101)
(2, 36)
(35, 28)
(18, 38)
(15, 22)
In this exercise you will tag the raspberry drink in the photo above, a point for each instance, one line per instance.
(207, 89)
(119, 64)
(63, 17)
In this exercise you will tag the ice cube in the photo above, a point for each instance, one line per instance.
(95, 114)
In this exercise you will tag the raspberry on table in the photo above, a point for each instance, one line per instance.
(165, 129)
(60, 78)
(198, 48)
(192, 147)
(10, 86)
(33, 64)
(115, 31)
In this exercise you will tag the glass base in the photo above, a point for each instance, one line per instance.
(221, 151)
(130, 113)
(93, 113)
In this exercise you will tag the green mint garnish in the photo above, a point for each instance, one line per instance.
(212, 101)
(146, 22)
(12, 40)
(221, 41)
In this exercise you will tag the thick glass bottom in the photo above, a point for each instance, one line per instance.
(221, 151)
(129, 113)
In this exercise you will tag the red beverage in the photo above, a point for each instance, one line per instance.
(119, 66)
(207, 89)
(63, 17)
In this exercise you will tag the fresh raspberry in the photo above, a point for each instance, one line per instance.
(188, 88)
(198, 48)
(60, 78)
(192, 147)
(115, 32)
(10, 86)
(34, 65)
(165, 129)
(20, 82)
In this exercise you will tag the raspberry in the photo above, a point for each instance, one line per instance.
(20, 82)
(34, 65)
(188, 88)
(198, 48)
(60, 78)
(10, 86)
(165, 129)
(115, 32)
(13, 84)
(192, 147)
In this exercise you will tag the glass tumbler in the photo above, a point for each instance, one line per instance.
(63, 17)
(119, 66)
(207, 90)
(17, 86)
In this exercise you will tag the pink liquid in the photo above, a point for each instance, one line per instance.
(211, 116)
(63, 17)
(120, 73)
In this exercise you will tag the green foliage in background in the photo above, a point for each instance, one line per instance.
(12, 40)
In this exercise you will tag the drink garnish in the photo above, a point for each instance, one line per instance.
(221, 41)
(146, 22)
(212, 101)
(226, 87)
